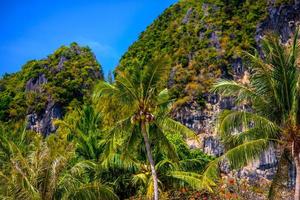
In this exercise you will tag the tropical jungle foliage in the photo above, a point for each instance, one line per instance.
(116, 139)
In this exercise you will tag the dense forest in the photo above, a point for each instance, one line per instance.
(67, 132)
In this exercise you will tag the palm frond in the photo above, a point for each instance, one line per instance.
(241, 93)
(194, 180)
(104, 89)
(126, 85)
(141, 178)
(93, 190)
(153, 75)
(169, 125)
(250, 134)
(231, 122)
(163, 142)
(166, 165)
(245, 153)
(237, 157)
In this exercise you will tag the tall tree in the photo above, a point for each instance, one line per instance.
(140, 99)
(273, 94)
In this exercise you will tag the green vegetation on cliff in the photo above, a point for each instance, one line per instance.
(63, 78)
(202, 39)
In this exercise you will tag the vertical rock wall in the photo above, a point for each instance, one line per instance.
(42, 122)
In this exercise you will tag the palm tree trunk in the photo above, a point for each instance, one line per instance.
(297, 186)
(280, 176)
(150, 159)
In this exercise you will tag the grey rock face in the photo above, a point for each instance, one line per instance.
(282, 20)
(202, 121)
(34, 84)
(238, 68)
(187, 16)
(171, 78)
(61, 62)
(43, 123)
(212, 146)
(215, 42)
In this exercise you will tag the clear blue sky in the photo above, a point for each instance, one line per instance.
(32, 29)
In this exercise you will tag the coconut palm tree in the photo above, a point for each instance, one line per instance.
(50, 171)
(141, 101)
(272, 115)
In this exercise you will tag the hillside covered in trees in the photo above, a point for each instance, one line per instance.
(202, 39)
(44, 89)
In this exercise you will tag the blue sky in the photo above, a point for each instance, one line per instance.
(32, 29)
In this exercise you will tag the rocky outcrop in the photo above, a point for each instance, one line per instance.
(215, 41)
(202, 120)
(187, 16)
(43, 123)
(34, 84)
(77, 66)
(282, 20)
(61, 63)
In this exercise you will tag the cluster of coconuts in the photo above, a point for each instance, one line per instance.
(142, 115)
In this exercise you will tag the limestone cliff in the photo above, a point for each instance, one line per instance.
(44, 89)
